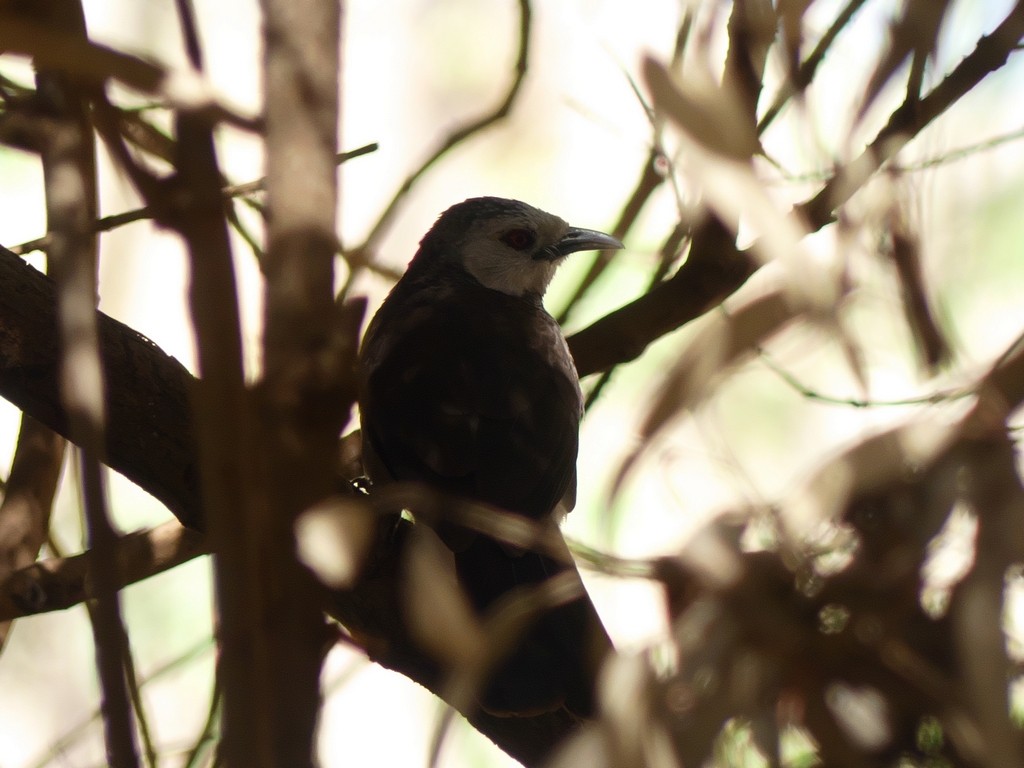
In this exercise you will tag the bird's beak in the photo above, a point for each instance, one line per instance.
(582, 240)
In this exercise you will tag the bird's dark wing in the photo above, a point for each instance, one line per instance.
(475, 393)
(469, 397)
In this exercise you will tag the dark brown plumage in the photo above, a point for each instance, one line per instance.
(468, 386)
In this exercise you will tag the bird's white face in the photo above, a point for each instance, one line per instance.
(514, 254)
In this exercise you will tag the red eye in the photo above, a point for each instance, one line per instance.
(520, 239)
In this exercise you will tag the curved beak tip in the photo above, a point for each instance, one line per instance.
(577, 239)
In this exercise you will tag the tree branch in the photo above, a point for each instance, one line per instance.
(150, 437)
(28, 499)
(716, 269)
(309, 348)
(151, 441)
(60, 583)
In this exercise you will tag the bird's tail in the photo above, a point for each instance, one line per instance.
(554, 657)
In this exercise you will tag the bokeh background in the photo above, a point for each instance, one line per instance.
(574, 144)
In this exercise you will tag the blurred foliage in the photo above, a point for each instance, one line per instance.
(814, 459)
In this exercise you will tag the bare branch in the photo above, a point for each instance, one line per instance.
(372, 610)
(225, 419)
(715, 268)
(28, 499)
(804, 74)
(306, 392)
(94, 64)
(911, 117)
(57, 584)
(903, 249)
(53, 47)
(150, 436)
(802, 389)
(112, 222)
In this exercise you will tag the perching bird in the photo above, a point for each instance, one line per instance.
(467, 385)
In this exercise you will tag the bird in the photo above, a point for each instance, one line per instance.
(467, 385)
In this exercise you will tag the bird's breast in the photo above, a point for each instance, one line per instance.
(475, 392)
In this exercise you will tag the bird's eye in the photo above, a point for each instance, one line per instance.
(520, 239)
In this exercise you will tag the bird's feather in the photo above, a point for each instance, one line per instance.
(467, 386)
(457, 399)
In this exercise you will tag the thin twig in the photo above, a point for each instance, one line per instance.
(805, 73)
(109, 223)
(208, 736)
(71, 736)
(911, 117)
(134, 695)
(96, 64)
(459, 135)
(657, 168)
(935, 161)
(442, 727)
(225, 420)
(651, 177)
(720, 268)
(260, 184)
(28, 499)
(669, 251)
(791, 381)
(189, 30)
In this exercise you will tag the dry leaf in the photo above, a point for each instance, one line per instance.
(726, 341)
(437, 611)
(333, 538)
(871, 464)
(710, 114)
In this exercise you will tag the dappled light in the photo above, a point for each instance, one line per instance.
(744, 491)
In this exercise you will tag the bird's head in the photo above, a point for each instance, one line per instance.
(507, 245)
